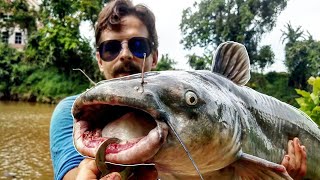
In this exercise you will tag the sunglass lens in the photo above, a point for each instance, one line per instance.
(109, 50)
(138, 46)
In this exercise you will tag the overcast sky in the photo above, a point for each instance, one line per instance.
(305, 13)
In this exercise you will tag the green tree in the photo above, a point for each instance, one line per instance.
(44, 71)
(302, 56)
(310, 101)
(9, 58)
(291, 35)
(264, 58)
(200, 62)
(90, 9)
(83, 10)
(59, 48)
(209, 23)
(274, 84)
(59, 42)
(20, 14)
(165, 63)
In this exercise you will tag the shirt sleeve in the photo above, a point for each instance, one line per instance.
(63, 153)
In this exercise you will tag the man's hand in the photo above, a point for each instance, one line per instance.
(296, 160)
(87, 169)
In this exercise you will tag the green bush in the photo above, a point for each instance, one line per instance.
(9, 58)
(49, 86)
(274, 84)
(310, 102)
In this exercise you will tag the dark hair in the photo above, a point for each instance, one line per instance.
(110, 18)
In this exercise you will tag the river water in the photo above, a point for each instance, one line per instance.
(24, 140)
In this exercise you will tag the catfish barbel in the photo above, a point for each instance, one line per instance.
(230, 131)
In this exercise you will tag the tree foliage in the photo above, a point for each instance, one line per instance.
(200, 62)
(82, 10)
(52, 51)
(302, 56)
(165, 63)
(9, 58)
(292, 34)
(265, 58)
(20, 14)
(309, 102)
(274, 84)
(209, 23)
(58, 45)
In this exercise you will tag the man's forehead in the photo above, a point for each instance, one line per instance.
(130, 26)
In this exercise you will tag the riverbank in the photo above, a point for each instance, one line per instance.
(29, 97)
(48, 86)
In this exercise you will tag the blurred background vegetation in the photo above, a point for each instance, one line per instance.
(43, 71)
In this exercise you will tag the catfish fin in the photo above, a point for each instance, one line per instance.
(231, 60)
(252, 167)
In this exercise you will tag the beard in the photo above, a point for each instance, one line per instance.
(127, 67)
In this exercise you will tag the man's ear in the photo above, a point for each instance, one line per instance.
(154, 59)
(99, 61)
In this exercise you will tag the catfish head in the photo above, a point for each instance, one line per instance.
(148, 118)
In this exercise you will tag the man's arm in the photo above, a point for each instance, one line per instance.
(63, 154)
(72, 174)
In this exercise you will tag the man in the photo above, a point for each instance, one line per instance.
(125, 36)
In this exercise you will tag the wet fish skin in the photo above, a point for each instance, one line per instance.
(223, 122)
(227, 120)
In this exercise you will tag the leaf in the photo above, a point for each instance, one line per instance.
(301, 101)
(316, 109)
(303, 93)
(309, 103)
(316, 86)
(311, 80)
(315, 98)
(315, 114)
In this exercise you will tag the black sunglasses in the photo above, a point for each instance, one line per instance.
(138, 46)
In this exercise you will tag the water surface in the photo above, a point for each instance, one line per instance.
(24, 140)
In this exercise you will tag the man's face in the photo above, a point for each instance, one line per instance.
(126, 63)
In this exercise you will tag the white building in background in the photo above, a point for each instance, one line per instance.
(15, 37)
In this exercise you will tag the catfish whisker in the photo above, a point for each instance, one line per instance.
(185, 148)
(92, 82)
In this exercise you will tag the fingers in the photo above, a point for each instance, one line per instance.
(285, 161)
(303, 167)
(112, 176)
(295, 155)
(87, 169)
(295, 161)
(298, 154)
(291, 166)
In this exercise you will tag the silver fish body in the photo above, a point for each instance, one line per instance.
(219, 121)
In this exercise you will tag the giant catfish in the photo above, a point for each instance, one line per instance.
(227, 130)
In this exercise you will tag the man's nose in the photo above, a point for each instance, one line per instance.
(125, 54)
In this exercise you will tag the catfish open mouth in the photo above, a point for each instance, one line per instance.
(141, 136)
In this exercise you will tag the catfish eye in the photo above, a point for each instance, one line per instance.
(191, 98)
